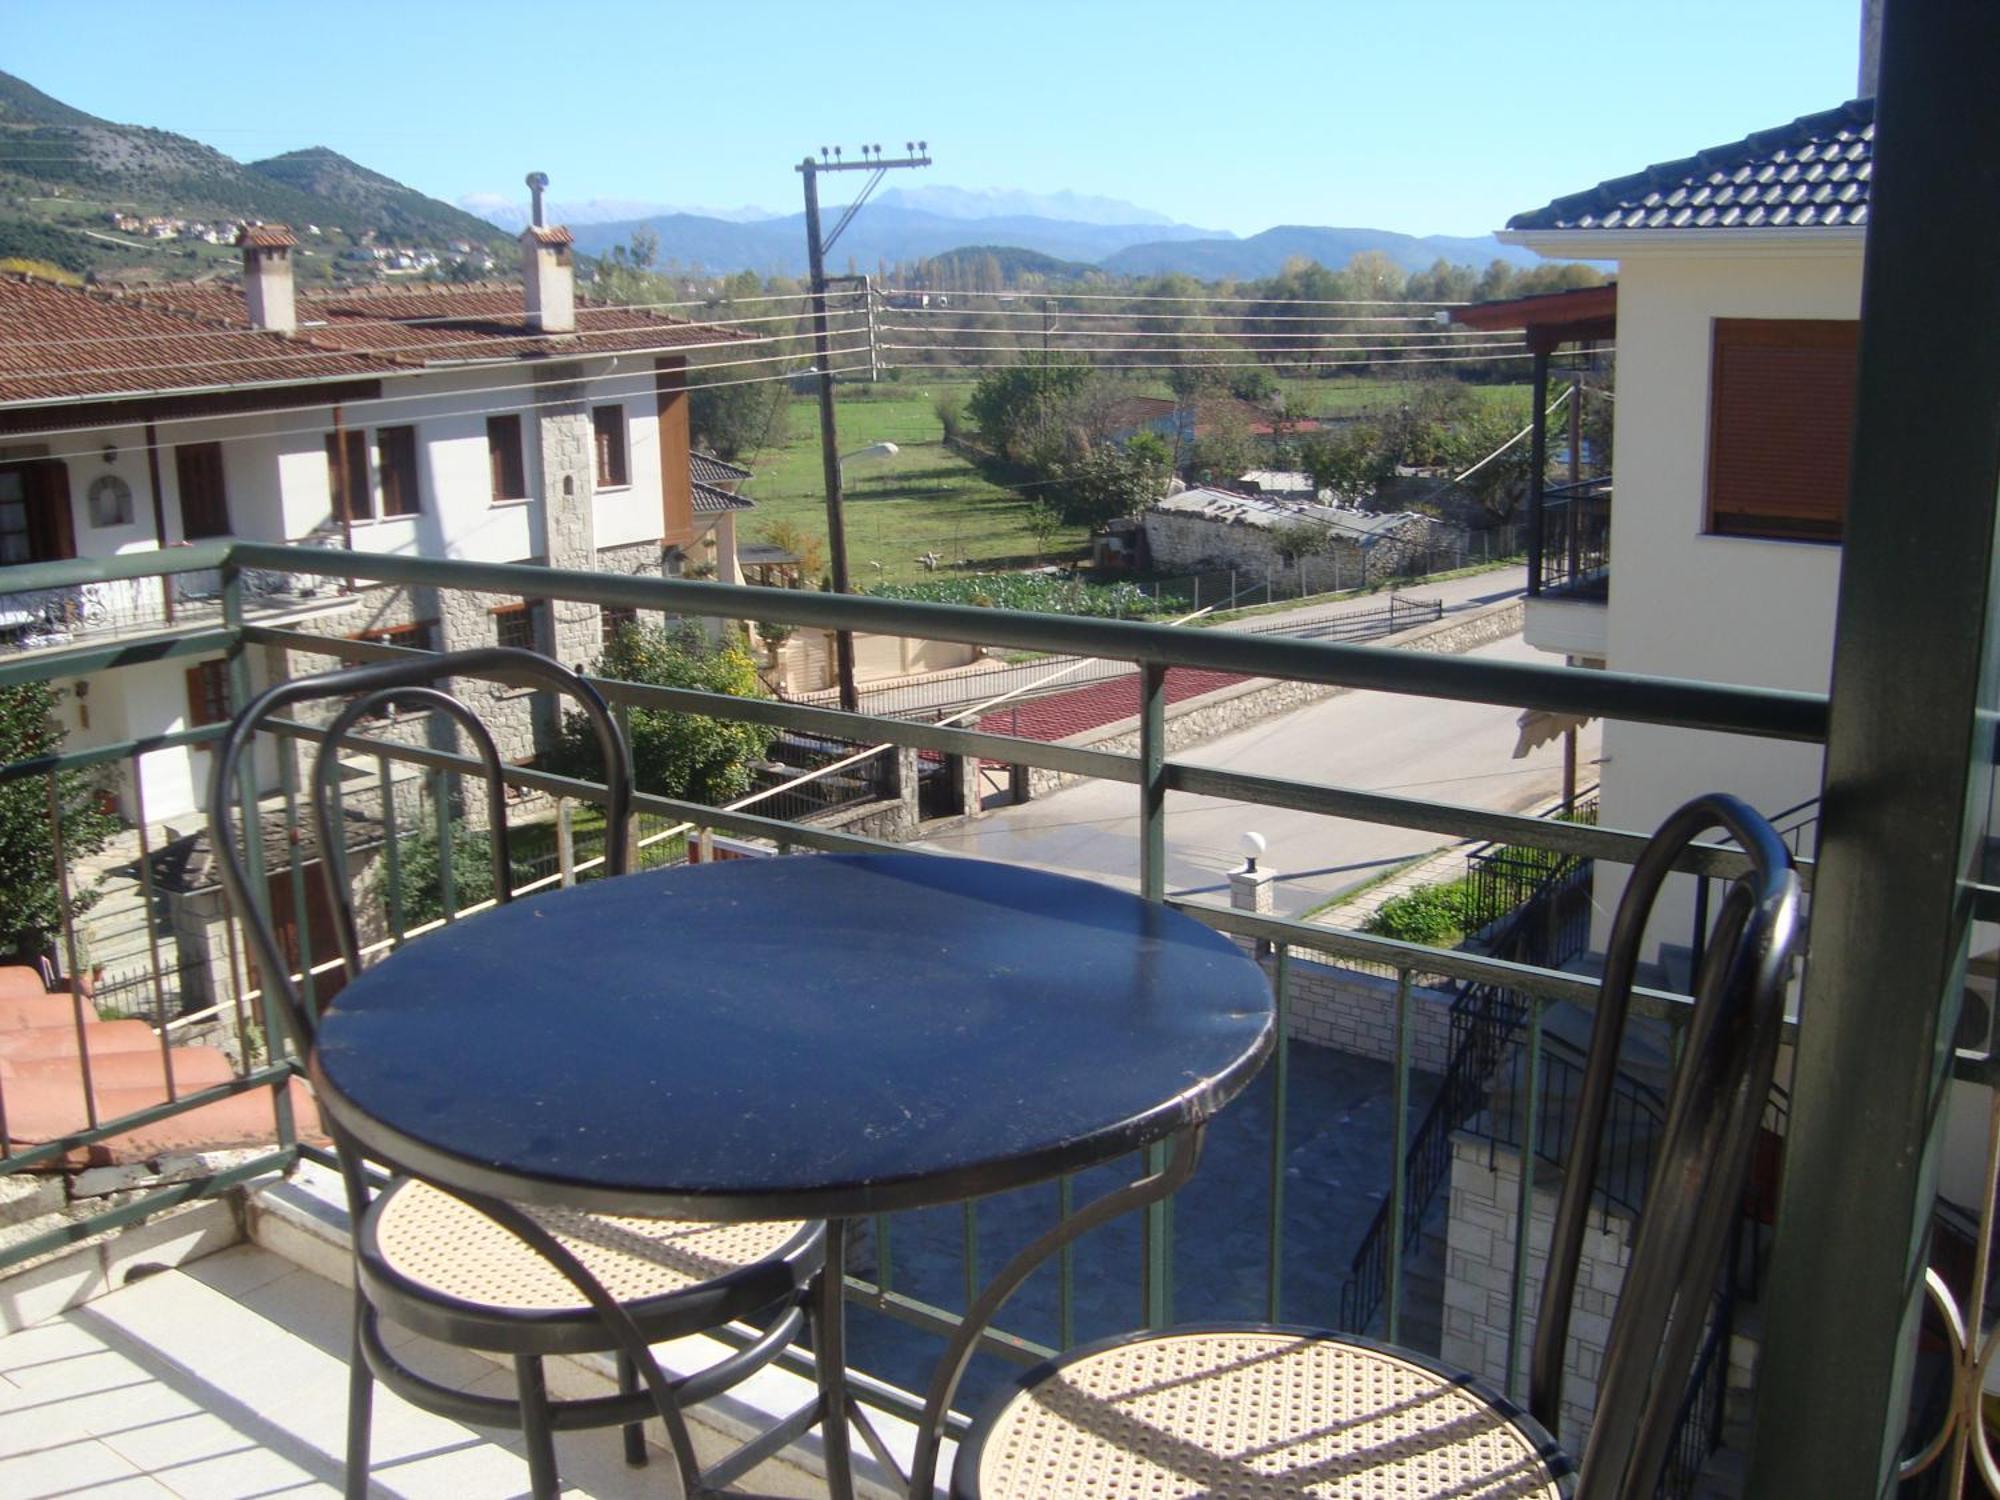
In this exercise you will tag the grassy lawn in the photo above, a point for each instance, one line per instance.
(925, 499)
(929, 499)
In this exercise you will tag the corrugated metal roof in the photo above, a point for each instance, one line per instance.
(1813, 172)
(1229, 508)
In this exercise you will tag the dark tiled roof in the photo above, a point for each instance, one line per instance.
(710, 501)
(1812, 173)
(61, 342)
(708, 469)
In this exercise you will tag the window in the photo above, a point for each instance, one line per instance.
(503, 453)
(419, 636)
(1781, 414)
(518, 625)
(208, 693)
(617, 619)
(35, 520)
(396, 460)
(204, 503)
(348, 488)
(609, 425)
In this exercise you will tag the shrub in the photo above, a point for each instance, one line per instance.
(1435, 915)
(420, 857)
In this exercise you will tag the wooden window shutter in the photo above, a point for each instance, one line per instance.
(1781, 420)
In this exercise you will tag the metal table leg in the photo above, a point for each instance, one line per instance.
(958, 1352)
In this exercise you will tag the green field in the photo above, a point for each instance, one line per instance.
(930, 499)
(925, 499)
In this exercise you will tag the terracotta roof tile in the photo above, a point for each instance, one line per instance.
(61, 342)
(1811, 173)
(266, 236)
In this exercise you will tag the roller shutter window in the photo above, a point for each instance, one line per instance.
(1781, 420)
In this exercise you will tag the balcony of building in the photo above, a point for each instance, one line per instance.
(1568, 521)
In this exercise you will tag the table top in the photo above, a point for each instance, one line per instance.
(796, 1037)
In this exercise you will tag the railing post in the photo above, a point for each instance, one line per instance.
(1538, 462)
(1152, 781)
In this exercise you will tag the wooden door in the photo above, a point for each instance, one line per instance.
(204, 503)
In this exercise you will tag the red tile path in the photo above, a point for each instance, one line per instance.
(1061, 715)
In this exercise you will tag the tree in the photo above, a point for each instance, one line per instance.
(1044, 521)
(1347, 460)
(420, 862)
(1105, 484)
(1225, 450)
(1025, 412)
(730, 420)
(690, 756)
(1500, 484)
(29, 893)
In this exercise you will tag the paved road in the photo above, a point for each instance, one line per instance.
(1378, 742)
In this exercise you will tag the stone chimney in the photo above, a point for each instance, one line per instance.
(267, 276)
(548, 270)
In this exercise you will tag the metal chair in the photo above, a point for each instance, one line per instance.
(479, 1274)
(1236, 1411)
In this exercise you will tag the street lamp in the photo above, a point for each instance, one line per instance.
(873, 450)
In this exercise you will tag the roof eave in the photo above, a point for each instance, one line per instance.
(1613, 244)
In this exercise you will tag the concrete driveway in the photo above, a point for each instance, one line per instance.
(1375, 742)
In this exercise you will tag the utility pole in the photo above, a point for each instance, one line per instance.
(871, 161)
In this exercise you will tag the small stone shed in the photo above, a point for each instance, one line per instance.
(1202, 529)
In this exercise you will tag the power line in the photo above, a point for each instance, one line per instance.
(1083, 353)
(1174, 333)
(406, 400)
(945, 310)
(1280, 301)
(1373, 364)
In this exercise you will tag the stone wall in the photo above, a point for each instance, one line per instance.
(1212, 715)
(1479, 1276)
(1354, 1012)
(1183, 543)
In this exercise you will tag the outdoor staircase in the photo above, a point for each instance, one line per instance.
(54, 1072)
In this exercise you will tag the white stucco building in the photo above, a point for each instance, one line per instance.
(491, 423)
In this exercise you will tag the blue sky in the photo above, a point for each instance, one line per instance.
(1426, 116)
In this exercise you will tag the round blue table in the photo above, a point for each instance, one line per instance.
(822, 1036)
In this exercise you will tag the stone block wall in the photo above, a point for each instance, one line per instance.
(1479, 1276)
(1355, 1012)
(1179, 542)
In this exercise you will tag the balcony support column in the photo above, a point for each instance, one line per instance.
(1538, 457)
(1908, 780)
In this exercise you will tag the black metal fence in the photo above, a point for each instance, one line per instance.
(1576, 538)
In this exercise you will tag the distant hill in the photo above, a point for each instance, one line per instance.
(63, 170)
(880, 233)
(957, 267)
(890, 232)
(1265, 254)
(381, 202)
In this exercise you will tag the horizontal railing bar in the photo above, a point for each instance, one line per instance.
(1453, 963)
(933, 1319)
(156, 644)
(1657, 700)
(264, 1077)
(1586, 839)
(748, 824)
(197, 557)
(76, 760)
(781, 713)
(145, 1206)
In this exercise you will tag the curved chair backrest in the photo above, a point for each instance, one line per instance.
(404, 683)
(1723, 1079)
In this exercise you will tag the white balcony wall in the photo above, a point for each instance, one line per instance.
(1686, 604)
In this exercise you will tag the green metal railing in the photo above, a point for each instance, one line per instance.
(1151, 771)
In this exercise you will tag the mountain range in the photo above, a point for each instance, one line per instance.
(65, 173)
(914, 225)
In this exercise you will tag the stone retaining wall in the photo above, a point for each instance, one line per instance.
(1355, 1012)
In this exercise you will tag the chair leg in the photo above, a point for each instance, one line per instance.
(635, 1432)
(360, 1409)
(536, 1432)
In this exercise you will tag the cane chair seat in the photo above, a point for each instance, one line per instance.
(433, 1241)
(1254, 1414)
